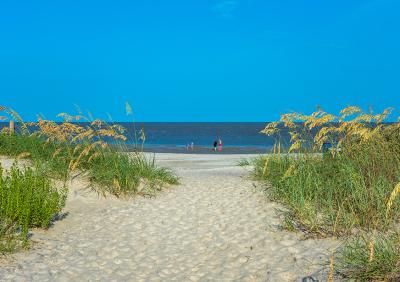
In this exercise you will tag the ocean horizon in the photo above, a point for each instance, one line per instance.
(174, 137)
(178, 137)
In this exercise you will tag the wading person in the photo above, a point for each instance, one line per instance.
(220, 145)
(215, 145)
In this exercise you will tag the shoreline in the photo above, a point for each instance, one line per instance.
(229, 150)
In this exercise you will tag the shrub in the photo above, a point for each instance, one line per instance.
(27, 199)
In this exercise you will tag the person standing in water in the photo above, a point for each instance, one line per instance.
(215, 145)
(220, 145)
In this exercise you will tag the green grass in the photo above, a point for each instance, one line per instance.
(28, 199)
(350, 190)
(121, 174)
(338, 195)
(371, 258)
(244, 162)
(331, 196)
(59, 151)
(111, 169)
(39, 151)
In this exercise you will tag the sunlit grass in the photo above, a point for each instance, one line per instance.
(78, 145)
(352, 186)
(95, 147)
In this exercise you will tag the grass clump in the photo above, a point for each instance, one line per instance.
(60, 150)
(123, 174)
(371, 258)
(95, 147)
(27, 199)
(353, 185)
(36, 148)
(244, 162)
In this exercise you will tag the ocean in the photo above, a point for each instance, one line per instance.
(237, 137)
(173, 137)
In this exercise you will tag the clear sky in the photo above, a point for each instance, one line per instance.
(204, 60)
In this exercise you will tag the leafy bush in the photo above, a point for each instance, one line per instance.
(27, 199)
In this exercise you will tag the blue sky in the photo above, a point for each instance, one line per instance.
(208, 60)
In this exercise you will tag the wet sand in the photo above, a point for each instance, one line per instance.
(230, 150)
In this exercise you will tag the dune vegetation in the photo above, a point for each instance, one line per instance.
(28, 198)
(341, 177)
(60, 150)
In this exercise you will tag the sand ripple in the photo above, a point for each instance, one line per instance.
(215, 226)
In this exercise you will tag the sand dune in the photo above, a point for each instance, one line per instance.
(215, 226)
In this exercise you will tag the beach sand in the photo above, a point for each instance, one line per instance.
(217, 225)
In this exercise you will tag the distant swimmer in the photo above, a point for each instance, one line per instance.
(215, 145)
(220, 145)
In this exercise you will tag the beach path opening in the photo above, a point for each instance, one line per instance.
(217, 225)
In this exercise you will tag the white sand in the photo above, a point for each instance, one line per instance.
(215, 226)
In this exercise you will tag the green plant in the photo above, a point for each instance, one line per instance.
(371, 258)
(243, 162)
(92, 146)
(351, 188)
(122, 175)
(28, 199)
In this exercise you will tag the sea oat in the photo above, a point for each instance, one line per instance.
(265, 169)
(23, 155)
(371, 251)
(331, 269)
(295, 146)
(271, 128)
(351, 110)
(128, 109)
(392, 197)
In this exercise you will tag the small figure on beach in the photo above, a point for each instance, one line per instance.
(192, 146)
(215, 145)
(220, 145)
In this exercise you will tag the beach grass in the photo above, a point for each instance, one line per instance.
(28, 198)
(353, 186)
(243, 162)
(371, 257)
(92, 148)
(122, 174)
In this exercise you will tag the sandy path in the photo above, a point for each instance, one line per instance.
(215, 226)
